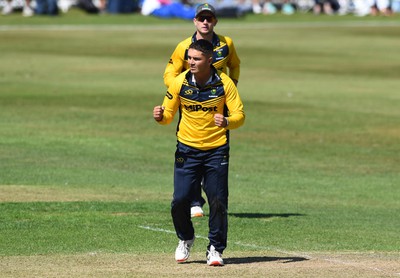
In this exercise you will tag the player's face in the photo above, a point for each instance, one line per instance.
(205, 23)
(198, 62)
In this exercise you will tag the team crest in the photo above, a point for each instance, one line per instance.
(188, 92)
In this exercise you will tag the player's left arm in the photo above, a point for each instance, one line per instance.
(234, 104)
(233, 62)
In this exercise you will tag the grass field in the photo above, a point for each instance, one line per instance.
(86, 173)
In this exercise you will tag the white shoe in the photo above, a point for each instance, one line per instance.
(196, 211)
(7, 9)
(27, 11)
(182, 252)
(214, 258)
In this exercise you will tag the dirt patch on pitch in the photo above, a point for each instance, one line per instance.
(37, 193)
(238, 264)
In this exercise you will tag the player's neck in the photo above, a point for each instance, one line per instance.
(208, 36)
(202, 78)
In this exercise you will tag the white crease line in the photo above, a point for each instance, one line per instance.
(277, 250)
(336, 261)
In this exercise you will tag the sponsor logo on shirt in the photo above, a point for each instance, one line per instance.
(199, 107)
(188, 92)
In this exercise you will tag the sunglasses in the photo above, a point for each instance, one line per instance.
(209, 18)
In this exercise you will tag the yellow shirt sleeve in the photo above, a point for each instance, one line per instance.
(177, 63)
(171, 101)
(233, 102)
(233, 62)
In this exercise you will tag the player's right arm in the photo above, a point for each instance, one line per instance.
(165, 113)
(175, 65)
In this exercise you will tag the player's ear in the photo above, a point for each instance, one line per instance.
(216, 21)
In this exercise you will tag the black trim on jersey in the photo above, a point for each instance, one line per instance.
(179, 120)
(226, 114)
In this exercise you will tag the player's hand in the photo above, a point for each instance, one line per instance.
(158, 112)
(220, 120)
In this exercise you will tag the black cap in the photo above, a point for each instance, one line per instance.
(205, 7)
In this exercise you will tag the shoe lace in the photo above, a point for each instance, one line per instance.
(183, 246)
(213, 254)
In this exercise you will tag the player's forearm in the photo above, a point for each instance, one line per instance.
(236, 120)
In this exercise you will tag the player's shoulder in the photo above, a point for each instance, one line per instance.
(186, 42)
(179, 80)
(225, 39)
(225, 79)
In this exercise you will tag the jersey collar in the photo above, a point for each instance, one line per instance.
(214, 78)
(215, 39)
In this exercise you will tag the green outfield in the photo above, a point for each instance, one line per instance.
(86, 173)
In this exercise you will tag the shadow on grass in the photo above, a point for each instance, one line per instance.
(250, 260)
(264, 215)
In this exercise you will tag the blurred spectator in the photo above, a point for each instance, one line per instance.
(26, 11)
(102, 6)
(89, 7)
(118, 6)
(361, 7)
(230, 8)
(257, 6)
(380, 7)
(328, 7)
(269, 7)
(344, 7)
(46, 7)
(395, 6)
(287, 7)
(65, 5)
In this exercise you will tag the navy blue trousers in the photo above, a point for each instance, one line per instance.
(191, 165)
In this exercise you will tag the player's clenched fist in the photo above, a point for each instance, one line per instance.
(220, 120)
(158, 112)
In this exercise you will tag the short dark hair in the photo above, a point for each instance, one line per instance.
(203, 46)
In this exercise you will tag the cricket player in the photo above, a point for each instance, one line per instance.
(224, 58)
(209, 107)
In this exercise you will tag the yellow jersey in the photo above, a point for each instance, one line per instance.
(197, 106)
